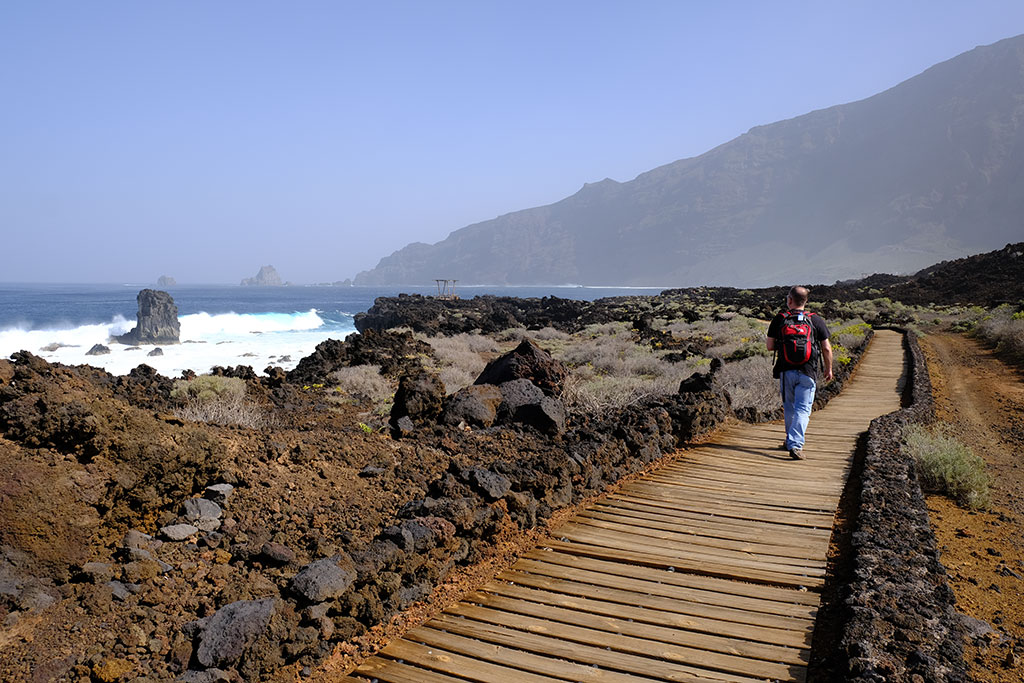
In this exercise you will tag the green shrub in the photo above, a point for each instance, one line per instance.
(841, 355)
(947, 466)
(217, 400)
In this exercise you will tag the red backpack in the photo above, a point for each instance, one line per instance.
(796, 337)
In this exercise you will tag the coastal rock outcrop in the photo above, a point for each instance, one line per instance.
(157, 320)
(526, 361)
(267, 277)
(166, 281)
(397, 354)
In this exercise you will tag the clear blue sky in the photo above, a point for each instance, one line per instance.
(203, 139)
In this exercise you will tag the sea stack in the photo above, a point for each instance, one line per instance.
(166, 281)
(267, 277)
(157, 320)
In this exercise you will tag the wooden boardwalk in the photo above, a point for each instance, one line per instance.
(708, 569)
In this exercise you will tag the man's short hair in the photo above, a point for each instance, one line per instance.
(799, 295)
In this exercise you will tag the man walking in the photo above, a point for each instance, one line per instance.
(800, 341)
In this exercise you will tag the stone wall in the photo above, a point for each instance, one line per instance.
(901, 622)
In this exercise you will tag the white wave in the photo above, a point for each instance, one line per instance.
(18, 338)
(205, 325)
(256, 339)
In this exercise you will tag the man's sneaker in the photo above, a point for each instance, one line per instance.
(796, 453)
(783, 447)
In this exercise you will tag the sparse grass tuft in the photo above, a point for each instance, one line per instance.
(947, 466)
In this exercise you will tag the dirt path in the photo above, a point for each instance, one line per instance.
(980, 400)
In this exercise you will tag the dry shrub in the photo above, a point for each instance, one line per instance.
(609, 370)
(600, 393)
(549, 334)
(750, 384)
(363, 383)
(459, 358)
(513, 334)
(217, 400)
(1003, 327)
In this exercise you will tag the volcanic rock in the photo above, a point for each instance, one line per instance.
(178, 532)
(166, 281)
(208, 676)
(156, 352)
(157, 320)
(276, 552)
(419, 396)
(231, 630)
(97, 572)
(197, 509)
(397, 354)
(98, 350)
(493, 485)
(476, 406)
(325, 579)
(526, 361)
(525, 403)
(219, 493)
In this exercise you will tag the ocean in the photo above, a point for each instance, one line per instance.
(220, 324)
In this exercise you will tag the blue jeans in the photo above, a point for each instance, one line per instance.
(797, 399)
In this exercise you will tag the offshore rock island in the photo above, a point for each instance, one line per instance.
(266, 277)
(157, 320)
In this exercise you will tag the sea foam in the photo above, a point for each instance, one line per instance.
(256, 339)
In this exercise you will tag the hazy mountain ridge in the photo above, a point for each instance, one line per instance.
(928, 170)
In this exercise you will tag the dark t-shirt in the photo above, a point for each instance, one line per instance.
(821, 333)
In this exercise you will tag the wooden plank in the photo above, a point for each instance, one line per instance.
(705, 525)
(520, 659)
(625, 662)
(450, 662)
(780, 499)
(817, 520)
(775, 500)
(811, 578)
(682, 602)
(644, 579)
(721, 473)
(697, 536)
(708, 544)
(701, 659)
(708, 518)
(391, 671)
(713, 643)
(671, 549)
(649, 610)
